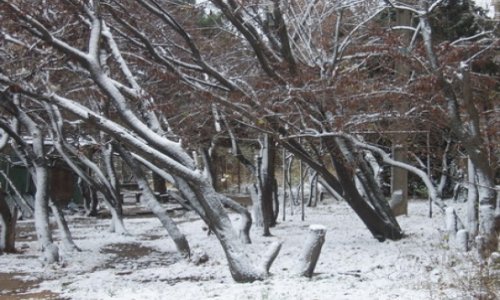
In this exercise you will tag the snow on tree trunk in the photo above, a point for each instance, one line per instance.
(115, 206)
(149, 199)
(381, 227)
(487, 217)
(246, 218)
(49, 250)
(170, 155)
(43, 232)
(241, 265)
(262, 194)
(311, 250)
(373, 210)
(469, 135)
(117, 224)
(376, 168)
(64, 232)
(451, 222)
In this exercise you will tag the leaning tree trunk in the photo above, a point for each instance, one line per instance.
(241, 265)
(64, 232)
(89, 195)
(152, 203)
(209, 171)
(263, 192)
(115, 207)
(380, 227)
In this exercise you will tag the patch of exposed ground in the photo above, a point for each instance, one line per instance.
(133, 256)
(14, 286)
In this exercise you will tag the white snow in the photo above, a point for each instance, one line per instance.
(352, 265)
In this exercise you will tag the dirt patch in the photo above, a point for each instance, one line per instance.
(13, 283)
(176, 280)
(136, 256)
(13, 287)
(46, 295)
(128, 251)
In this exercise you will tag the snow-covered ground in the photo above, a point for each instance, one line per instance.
(352, 265)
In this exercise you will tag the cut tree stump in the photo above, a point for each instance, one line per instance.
(311, 250)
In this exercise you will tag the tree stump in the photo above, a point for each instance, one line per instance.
(311, 250)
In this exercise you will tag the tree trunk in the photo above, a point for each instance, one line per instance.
(43, 232)
(266, 181)
(149, 199)
(65, 233)
(241, 265)
(472, 201)
(378, 224)
(89, 196)
(374, 195)
(380, 227)
(159, 184)
(311, 250)
(8, 218)
(469, 135)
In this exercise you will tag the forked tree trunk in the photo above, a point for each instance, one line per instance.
(376, 221)
(380, 227)
(242, 266)
(210, 173)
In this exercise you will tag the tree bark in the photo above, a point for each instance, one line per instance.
(472, 201)
(380, 227)
(65, 233)
(8, 218)
(159, 184)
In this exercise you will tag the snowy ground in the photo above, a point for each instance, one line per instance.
(353, 265)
